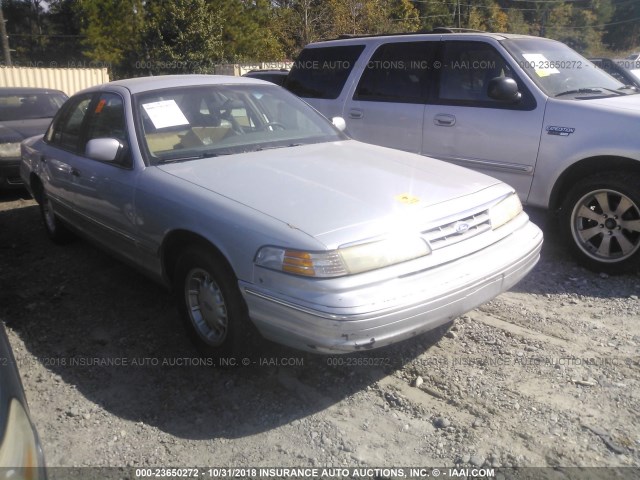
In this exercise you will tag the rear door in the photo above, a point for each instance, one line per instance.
(60, 154)
(388, 103)
(464, 125)
(321, 76)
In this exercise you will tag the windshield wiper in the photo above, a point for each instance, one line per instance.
(589, 90)
(208, 154)
(260, 149)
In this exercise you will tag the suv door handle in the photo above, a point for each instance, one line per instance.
(444, 120)
(75, 172)
(354, 113)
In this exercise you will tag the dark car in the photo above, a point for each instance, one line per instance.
(24, 112)
(621, 70)
(274, 76)
(20, 451)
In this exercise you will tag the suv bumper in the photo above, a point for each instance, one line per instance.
(436, 297)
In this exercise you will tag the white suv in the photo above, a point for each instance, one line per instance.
(529, 111)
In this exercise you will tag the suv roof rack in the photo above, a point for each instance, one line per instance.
(456, 30)
(436, 30)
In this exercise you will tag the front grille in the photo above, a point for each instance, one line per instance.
(454, 232)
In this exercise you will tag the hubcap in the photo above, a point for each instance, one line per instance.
(207, 308)
(605, 224)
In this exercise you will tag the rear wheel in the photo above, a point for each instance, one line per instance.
(56, 229)
(210, 303)
(601, 222)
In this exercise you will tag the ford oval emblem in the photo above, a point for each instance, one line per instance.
(462, 227)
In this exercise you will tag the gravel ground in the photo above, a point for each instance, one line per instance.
(544, 375)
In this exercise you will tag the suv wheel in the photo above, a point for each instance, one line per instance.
(601, 222)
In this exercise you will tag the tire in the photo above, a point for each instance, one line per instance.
(210, 304)
(600, 222)
(56, 229)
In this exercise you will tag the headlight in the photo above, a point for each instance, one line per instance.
(343, 261)
(9, 150)
(506, 210)
(19, 448)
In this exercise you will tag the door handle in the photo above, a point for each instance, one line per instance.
(75, 172)
(444, 120)
(356, 113)
(43, 159)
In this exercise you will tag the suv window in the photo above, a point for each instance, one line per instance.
(322, 72)
(397, 72)
(467, 69)
(66, 129)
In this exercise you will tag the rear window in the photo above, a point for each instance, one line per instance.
(322, 72)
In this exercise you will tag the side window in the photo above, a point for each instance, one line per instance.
(106, 120)
(65, 131)
(322, 72)
(467, 69)
(397, 72)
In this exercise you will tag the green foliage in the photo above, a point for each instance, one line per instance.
(300, 22)
(181, 36)
(247, 30)
(624, 33)
(112, 31)
(139, 37)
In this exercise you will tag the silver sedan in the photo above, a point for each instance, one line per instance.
(256, 210)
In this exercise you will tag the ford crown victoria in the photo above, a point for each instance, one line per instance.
(257, 210)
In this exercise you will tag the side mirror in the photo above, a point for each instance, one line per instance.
(504, 89)
(339, 123)
(104, 149)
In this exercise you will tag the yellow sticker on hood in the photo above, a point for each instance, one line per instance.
(407, 198)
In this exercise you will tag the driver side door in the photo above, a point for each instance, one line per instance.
(104, 190)
(463, 125)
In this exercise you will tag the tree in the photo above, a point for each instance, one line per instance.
(300, 22)
(247, 30)
(182, 36)
(26, 27)
(65, 29)
(112, 30)
(624, 31)
(487, 16)
(358, 17)
(436, 13)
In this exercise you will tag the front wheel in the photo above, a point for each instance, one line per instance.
(210, 303)
(601, 222)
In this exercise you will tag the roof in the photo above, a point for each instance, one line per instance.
(421, 36)
(143, 84)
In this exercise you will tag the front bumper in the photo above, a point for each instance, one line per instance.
(422, 301)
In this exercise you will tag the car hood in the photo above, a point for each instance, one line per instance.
(624, 102)
(18, 130)
(326, 188)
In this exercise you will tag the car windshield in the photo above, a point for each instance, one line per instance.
(207, 121)
(560, 71)
(28, 106)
